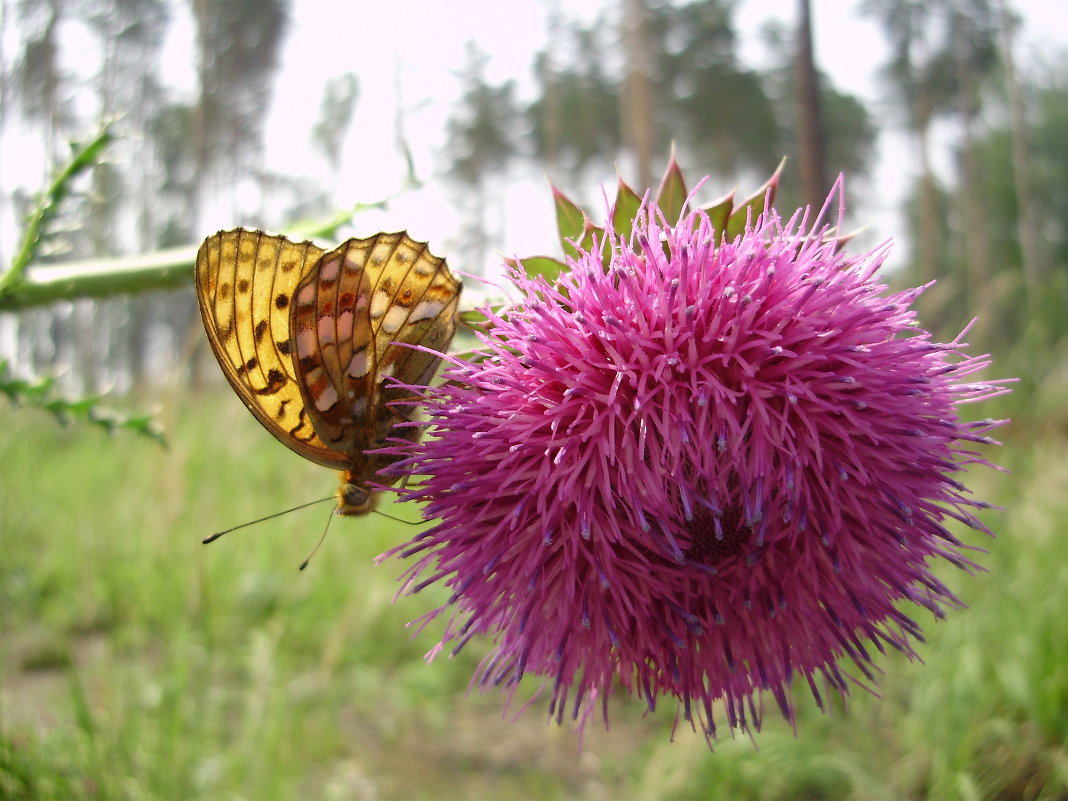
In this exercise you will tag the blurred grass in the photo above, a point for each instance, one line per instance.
(136, 663)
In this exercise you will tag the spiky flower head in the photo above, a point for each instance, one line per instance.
(696, 467)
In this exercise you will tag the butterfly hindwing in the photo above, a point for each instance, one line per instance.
(365, 296)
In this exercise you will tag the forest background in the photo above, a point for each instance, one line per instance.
(135, 664)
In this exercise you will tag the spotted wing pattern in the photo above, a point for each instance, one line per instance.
(245, 283)
(308, 339)
(350, 313)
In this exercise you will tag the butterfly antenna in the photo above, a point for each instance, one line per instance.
(218, 534)
(315, 550)
(397, 519)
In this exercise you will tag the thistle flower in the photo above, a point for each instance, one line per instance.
(696, 468)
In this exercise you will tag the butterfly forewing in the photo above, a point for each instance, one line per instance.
(245, 283)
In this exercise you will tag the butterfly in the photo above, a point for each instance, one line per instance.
(310, 339)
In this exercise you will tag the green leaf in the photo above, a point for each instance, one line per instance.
(625, 210)
(327, 228)
(718, 214)
(545, 266)
(473, 318)
(594, 232)
(571, 222)
(671, 197)
(754, 205)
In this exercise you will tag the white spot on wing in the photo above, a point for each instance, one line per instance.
(426, 310)
(344, 325)
(329, 269)
(394, 319)
(306, 295)
(326, 330)
(381, 252)
(359, 365)
(327, 399)
(380, 303)
(306, 344)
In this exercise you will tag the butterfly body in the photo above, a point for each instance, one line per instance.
(310, 339)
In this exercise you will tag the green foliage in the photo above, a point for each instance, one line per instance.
(575, 120)
(1021, 318)
(717, 112)
(481, 140)
(936, 47)
(41, 394)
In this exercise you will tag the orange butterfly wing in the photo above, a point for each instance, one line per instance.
(309, 339)
(349, 313)
(245, 282)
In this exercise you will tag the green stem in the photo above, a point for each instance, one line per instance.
(165, 269)
(84, 156)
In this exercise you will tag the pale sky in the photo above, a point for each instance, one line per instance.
(418, 46)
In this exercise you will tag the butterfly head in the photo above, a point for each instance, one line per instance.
(354, 497)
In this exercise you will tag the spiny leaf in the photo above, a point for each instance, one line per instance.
(39, 393)
(719, 212)
(593, 237)
(570, 222)
(671, 197)
(754, 205)
(625, 210)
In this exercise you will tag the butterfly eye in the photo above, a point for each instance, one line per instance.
(353, 499)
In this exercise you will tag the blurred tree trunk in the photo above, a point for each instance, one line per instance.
(929, 245)
(976, 243)
(810, 134)
(551, 110)
(637, 111)
(907, 23)
(1031, 254)
(238, 44)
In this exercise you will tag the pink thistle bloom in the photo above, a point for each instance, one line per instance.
(698, 473)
